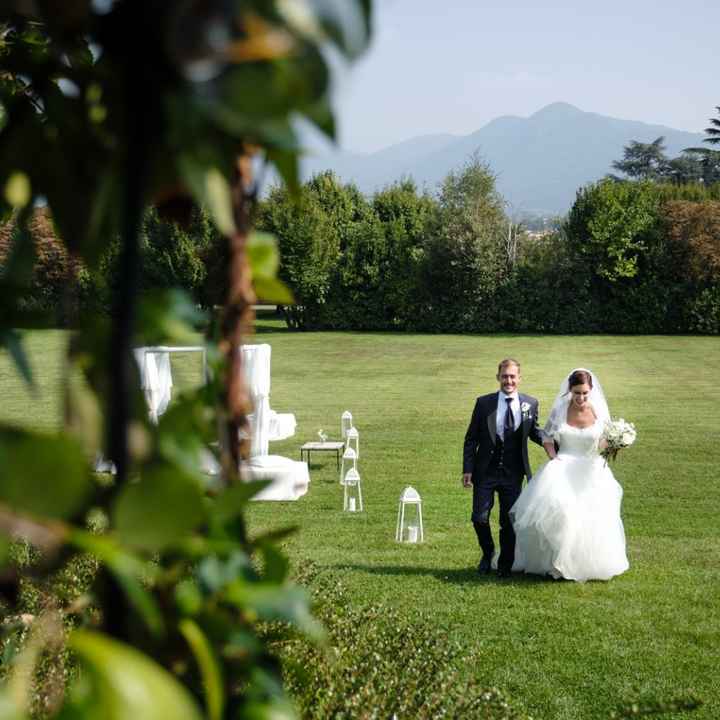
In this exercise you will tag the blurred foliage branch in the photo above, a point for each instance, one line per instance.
(106, 108)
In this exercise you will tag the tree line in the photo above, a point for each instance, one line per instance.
(631, 257)
(638, 256)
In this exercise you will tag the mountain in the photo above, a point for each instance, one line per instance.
(540, 161)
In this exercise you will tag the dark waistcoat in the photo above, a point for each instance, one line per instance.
(507, 458)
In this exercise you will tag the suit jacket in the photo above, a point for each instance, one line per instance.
(481, 434)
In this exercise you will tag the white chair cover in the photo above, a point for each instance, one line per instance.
(290, 478)
(256, 366)
(282, 425)
(266, 425)
(155, 379)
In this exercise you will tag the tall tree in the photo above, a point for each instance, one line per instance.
(465, 253)
(709, 158)
(644, 161)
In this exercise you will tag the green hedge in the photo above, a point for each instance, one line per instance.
(631, 257)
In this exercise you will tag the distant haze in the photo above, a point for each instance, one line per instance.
(540, 161)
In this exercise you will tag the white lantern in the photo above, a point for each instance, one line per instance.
(352, 437)
(349, 456)
(409, 519)
(352, 492)
(345, 423)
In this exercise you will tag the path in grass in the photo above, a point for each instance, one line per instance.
(564, 650)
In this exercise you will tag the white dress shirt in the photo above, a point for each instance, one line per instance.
(502, 409)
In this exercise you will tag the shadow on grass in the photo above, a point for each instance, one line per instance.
(268, 321)
(454, 576)
(268, 329)
(328, 481)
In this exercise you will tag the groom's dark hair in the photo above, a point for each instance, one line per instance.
(506, 362)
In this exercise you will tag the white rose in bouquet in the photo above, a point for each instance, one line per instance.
(617, 434)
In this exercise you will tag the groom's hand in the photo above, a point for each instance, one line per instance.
(467, 480)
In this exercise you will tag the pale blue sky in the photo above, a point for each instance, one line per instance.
(453, 66)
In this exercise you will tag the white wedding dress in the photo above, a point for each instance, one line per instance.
(567, 518)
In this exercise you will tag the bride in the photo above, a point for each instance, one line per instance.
(567, 519)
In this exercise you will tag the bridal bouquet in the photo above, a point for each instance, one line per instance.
(618, 434)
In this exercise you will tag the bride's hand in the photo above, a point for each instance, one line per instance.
(550, 450)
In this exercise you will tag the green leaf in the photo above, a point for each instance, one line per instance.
(11, 340)
(249, 94)
(266, 699)
(320, 113)
(286, 163)
(167, 315)
(17, 190)
(210, 670)
(118, 682)
(4, 550)
(8, 709)
(19, 265)
(44, 475)
(273, 290)
(231, 503)
(345, 23)
(188, 598)
(263, 254)
(185, 432)
(83, 413)
(128, 570)
(210, 189)
(276, 564)
(273, 602)
(159, 510)
(214, 573)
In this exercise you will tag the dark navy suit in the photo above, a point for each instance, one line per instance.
(498, 465)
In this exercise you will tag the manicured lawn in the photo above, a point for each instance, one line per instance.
(562, 650)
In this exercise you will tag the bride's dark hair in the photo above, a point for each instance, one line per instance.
(579, 377)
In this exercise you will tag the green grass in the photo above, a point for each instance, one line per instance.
(562, 650)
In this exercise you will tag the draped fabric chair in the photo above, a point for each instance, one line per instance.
(290, 478)
(156, 382)
(266, 425)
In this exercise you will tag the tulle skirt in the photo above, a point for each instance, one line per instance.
(567, 521)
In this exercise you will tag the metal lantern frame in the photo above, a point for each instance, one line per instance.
(348, 455)
(409, 497)
(346, 422)
(353, 436)
(352, 480)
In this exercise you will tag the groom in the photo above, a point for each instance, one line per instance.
(495, 460)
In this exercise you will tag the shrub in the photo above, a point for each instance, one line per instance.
(703, 312)
(379, 664)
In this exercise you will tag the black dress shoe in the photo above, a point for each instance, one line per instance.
(485, 566)
(503, 572)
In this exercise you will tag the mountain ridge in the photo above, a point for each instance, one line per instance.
(540, 161)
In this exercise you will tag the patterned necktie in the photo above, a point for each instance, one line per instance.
(509, 424)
